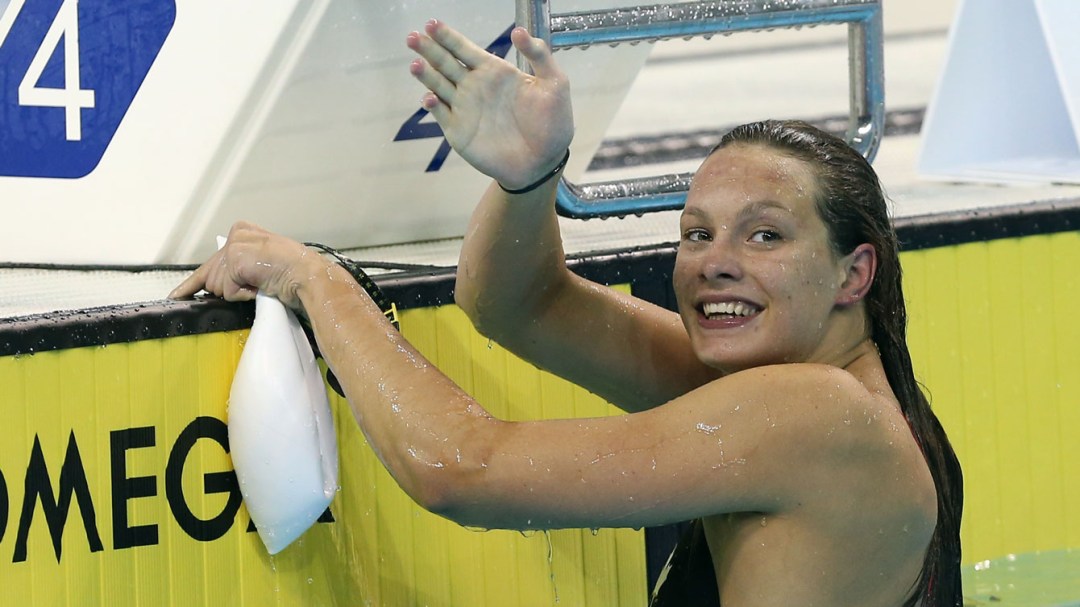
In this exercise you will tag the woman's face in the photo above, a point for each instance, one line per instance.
(755, 277)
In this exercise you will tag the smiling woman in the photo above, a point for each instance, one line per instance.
(776, 406)
(751, 236)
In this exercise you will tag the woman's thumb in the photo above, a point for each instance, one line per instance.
(536, 52)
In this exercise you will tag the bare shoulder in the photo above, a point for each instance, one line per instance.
(812, 396)
(854, 496)
(830, 425)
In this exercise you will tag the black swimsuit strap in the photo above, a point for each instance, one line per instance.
(688, 578)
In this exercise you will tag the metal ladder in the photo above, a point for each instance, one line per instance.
(662, 21)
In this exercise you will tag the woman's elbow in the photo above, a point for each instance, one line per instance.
(466, 296)
(439, 493)
(448, 483)
(484, 316)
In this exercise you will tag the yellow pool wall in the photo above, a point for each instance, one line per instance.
(994, 335)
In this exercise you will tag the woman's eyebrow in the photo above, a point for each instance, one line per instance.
(748, 212)
(692, 212)
(760, 206)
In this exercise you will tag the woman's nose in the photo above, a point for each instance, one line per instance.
(720, 263)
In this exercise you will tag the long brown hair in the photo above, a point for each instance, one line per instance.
(851, 203)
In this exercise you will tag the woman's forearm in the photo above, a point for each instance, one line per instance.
(416, 420)
(512, 261)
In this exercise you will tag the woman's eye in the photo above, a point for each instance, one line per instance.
(765, 236)
(696, 235)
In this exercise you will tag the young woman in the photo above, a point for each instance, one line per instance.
(777, 408)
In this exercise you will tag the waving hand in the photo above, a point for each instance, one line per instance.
(511, 126)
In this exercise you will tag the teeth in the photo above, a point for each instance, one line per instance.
(728, 307)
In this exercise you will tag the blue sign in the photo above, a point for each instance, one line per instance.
(69, 70)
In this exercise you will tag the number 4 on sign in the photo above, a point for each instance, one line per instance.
(72, 98)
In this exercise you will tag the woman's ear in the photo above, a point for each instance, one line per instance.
(859, 267)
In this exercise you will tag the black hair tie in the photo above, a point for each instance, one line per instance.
(539, 182)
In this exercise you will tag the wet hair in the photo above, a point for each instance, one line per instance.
(851, 203)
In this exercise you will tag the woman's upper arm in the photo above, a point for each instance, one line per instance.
(633, 353)
(753, 441)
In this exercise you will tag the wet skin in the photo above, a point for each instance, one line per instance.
(750, 233)
(781, 417)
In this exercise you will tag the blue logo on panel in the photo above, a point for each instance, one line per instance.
(69, 70)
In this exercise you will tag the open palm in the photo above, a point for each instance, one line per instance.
(509, 125)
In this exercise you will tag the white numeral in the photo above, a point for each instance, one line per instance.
(72, 98)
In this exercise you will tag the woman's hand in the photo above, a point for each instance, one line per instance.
(254, 260)
(509, 125)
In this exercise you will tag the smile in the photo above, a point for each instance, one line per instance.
(729, 309)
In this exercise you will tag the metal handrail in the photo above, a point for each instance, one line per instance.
(661, 21)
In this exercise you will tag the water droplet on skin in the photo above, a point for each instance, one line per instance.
(707, 429)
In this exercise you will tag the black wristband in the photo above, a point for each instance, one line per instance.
(353, 268)
(542, 180)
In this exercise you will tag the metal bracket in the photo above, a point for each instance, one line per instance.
(661, 21)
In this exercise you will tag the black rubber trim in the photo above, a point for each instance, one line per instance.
(121, 324)
(1015, 221)
(647, 269)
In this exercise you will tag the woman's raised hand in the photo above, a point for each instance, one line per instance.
(511, 126)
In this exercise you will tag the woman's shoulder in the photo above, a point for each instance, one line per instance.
(836, 417)
(814, 390)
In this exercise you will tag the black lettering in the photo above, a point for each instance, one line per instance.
(125, 488)
(326, 516)
(3, 506)
(39, 485)
(214, 482)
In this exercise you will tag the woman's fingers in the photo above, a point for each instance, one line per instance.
(463, 49)
(235, 292)
(437, 56)
(433, 80)
(438, 109)
(536, 52)
(191, 285)
(217, 275)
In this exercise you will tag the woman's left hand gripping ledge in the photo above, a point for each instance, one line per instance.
(254, 260)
